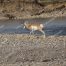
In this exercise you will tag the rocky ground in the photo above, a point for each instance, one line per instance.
(32, 50)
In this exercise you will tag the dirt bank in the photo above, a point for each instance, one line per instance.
(30, 9)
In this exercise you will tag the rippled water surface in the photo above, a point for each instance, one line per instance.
(55, 27)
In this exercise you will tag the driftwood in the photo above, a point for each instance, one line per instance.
(9, 16)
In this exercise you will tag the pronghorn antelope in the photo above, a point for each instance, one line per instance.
(33, 26)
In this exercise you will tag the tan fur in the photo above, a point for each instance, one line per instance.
(33, 26)
(29, 25)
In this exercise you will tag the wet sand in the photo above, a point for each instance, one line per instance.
(32, 50)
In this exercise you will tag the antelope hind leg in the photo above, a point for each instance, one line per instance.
(43, 33)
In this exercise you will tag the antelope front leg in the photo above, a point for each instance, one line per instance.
(24, 27)
(32, 31)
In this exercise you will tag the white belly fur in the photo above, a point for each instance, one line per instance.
(34, 27)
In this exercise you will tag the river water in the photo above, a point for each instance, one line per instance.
(55, 27)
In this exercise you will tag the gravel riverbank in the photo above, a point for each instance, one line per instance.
(32, 50)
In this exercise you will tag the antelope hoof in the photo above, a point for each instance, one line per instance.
(44, 36)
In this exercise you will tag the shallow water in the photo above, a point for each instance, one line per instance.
(55, 27)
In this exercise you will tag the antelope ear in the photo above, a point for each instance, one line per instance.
(26, 22)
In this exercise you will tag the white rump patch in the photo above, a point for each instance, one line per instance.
(41, 25)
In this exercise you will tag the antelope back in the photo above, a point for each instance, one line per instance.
(36, 24)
